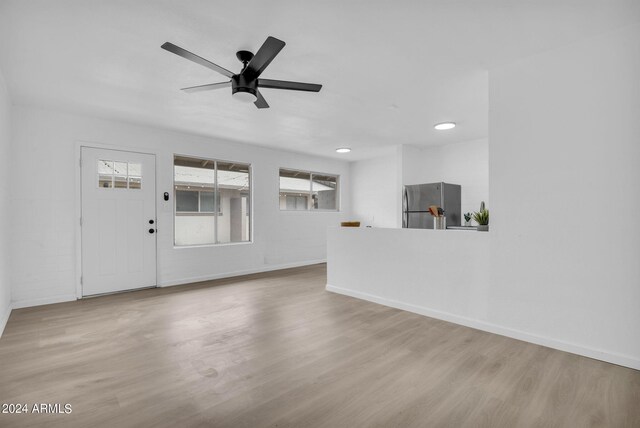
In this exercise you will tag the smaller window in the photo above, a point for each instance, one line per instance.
(303, 191)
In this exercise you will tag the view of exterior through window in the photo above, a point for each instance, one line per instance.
(119, 175)
(303, 190)
(212, 201)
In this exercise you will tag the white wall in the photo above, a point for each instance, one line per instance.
(376, 190)
(5, 166)
(565, 177)
(43, 235)
(465, 163)
(564, 245)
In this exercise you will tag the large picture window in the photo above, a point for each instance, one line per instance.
(304, 190)
(212, 201)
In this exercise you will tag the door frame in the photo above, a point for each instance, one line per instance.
(78, 200)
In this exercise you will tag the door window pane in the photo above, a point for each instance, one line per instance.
(324, 192)
(135, 176)
(135, 182)
(105, 174)
(120, 175)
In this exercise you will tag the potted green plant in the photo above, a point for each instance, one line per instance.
(467, 219)
(482, 218)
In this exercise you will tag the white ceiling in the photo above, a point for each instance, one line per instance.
(390, 69)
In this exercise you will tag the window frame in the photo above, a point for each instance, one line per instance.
(216, 212)
(309, 193)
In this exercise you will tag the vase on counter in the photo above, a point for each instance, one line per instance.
(467, 223)
(483, 228)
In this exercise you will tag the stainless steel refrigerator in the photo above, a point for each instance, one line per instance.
(417, 198)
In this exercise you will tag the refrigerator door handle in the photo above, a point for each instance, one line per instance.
(405, 209)
(406, 199)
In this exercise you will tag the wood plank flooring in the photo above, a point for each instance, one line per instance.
(277, 350)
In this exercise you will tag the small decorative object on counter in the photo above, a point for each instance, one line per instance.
(482, 218)
(440, 223)
(439, 220)
(467, 219)
(350, 224)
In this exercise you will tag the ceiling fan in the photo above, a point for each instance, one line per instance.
(244, 85)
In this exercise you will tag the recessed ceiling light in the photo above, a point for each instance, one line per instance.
(343, 150)
(444, 126)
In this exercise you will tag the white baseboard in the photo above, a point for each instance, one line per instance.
(598, 354)
(4, 317)
(239, 273)
(71, 297)
(27, 303)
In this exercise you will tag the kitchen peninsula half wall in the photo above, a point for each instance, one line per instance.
(452, 275)
(442, 274)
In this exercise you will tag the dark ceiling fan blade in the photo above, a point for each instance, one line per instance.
(195, 58)
(293, 86)
(267, 52)
(260, 102)
(209, 87)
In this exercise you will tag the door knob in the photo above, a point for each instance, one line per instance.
(151, 221)
(152, 230)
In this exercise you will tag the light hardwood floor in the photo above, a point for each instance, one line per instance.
(276, 349)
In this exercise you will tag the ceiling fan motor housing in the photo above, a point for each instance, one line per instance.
(240, 83)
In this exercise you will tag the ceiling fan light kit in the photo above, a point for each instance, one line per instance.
(245, 85)
(245, 95)
(243, 89)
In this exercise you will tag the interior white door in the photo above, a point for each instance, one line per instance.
(118, 221)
